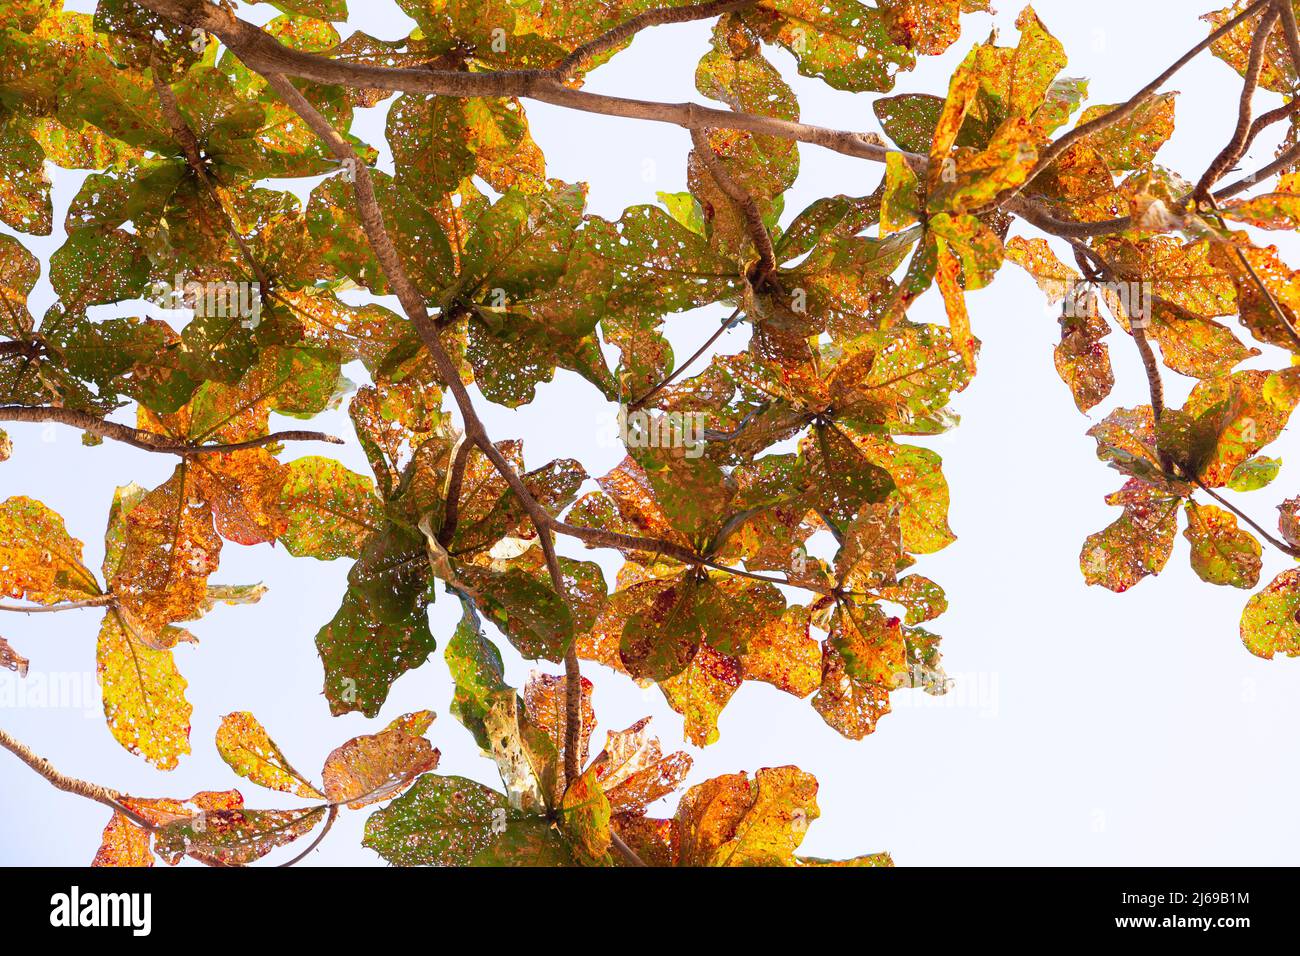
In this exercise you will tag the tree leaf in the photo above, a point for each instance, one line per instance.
(124, 844)
(735, 821)
(1254, 473)
(1221, 552)
(452, 821)
(1136, 544)
(381, 629)
(144, 694)
(1268, 624)
(633, 771)
(39, 561)
(245, 745)
(330, 510)
(234, 837)
(376, 767)
(585, 819)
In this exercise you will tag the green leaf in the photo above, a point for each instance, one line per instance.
(585, 819)
(1221, 552)
(441, 821)
(24, 190)
(660, 639)
(97, 266)
(910, 119)
(381, 629)
(331, 510)
(1254, 473)
(1269, 624)
(479, 675)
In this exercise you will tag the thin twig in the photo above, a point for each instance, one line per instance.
(1095, 266)
(1275, 542)
(103, 600)
(329, 823)
(1236, 146)
(628, 854)
(577, 61)
(1286, 160)
(148, 441)
(727, 324)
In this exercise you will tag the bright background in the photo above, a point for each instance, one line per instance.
(1085, 727)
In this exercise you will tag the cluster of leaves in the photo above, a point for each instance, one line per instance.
(805, 431)
(431, 819)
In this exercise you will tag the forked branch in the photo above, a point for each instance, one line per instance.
(1236, 147)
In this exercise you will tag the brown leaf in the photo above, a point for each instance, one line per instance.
(633, 771)
(124, 844)
(11, 659)
(376, 767)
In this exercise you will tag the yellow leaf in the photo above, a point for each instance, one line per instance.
(734, 821)
(144, 695)
(124, 844)
(170, 549)
(39, 560)
(245, 745)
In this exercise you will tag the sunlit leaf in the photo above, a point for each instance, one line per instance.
(245, 745)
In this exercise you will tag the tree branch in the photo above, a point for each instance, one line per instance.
(103, 600)
(749, 211)
(1265, 120)
(91, 791)
(148, 441)
(455, 479)
(572, 712)
(1288, 159)
(264, 54)
(1050, 154)
(577, 61)
(726, 324)
(1232, 152)
(1290, 31)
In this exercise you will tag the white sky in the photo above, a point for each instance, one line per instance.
(1085, 727)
